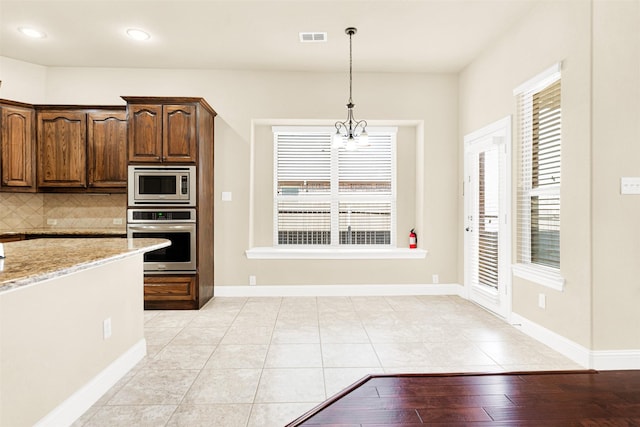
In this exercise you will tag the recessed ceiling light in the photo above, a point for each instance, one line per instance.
(136, 34)
(32, 32)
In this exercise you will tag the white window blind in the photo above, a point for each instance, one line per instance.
(487, 223)
(540, 117)
(326, 196)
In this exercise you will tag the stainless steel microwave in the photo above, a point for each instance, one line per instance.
(161, 185)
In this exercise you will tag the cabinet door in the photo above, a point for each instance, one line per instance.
(179, 133)
(107, 148)
(145, 133)
(168, 288)
(17, 148)
(62, 150)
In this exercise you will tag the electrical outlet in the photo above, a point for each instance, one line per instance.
(106, 328)
(435, 279)
(542, 301)
(252, 280)
(117, 221)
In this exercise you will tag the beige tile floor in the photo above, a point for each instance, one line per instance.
(266, 361)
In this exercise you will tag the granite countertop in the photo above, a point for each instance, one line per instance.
(67, 231)
(27, 262)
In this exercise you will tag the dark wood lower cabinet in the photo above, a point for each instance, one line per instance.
(170, 292)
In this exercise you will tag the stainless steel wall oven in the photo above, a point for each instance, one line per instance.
(177, 225)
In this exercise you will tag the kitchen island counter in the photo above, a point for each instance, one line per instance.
(71, 324)
(31, 261)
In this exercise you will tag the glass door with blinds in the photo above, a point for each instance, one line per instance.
(487, 247)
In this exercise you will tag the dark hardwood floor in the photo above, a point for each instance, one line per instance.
(573, 398)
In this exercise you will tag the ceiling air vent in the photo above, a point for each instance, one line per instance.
(313, 37)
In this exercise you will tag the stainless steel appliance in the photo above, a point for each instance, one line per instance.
(177, 225)
(161, 185)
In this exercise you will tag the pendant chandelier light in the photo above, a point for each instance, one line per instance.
(351, 134)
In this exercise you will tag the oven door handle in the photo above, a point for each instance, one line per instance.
(163, 227)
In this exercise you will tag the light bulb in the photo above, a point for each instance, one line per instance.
(351, 144)
(363, 139)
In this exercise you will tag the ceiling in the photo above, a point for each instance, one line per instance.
(393, 35)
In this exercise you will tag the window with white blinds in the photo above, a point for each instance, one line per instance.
(540, 116)
(333, 197)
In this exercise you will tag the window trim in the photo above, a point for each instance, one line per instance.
(329, 252)
(543, 275)
(342, 250)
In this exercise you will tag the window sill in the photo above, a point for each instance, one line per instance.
(335, 253)
(544, 276)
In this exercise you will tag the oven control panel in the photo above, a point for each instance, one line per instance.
(161, 215)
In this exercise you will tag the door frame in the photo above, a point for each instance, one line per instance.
(499, 129)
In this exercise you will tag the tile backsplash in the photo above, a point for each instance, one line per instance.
(20, 211)
(23, 211)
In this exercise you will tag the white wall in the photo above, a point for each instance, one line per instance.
(22, 81)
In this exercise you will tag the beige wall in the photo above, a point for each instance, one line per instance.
(51, 341)
(598, 44)
(244, 97)
(598, 308)
(616, 153)
(552, 32)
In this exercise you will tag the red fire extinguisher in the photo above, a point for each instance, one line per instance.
(413, 239)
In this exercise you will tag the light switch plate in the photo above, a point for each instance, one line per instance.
(630, 185)
(226, 196)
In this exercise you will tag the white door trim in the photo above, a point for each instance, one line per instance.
(489, 135)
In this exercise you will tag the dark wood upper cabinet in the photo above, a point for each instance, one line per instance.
(107, 149)
(179, 133)
(162, 132)
(82, 149)
(62, 149)
(17, 147)
(145, 133)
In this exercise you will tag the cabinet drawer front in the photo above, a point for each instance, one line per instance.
(169, 288)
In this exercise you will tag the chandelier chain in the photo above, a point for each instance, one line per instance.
(350, 69)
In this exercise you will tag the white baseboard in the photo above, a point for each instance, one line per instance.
(80, 401)
(336, 290)
(570, 349)
(603, 360)
(606, 360)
